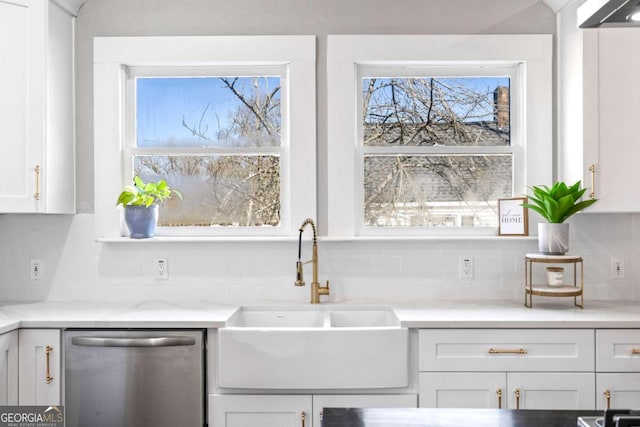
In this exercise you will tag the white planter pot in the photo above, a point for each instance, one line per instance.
(553, 239)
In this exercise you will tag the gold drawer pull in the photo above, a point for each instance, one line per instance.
(607, 396)
(507, 351)
(635, 351)
(47, 351)
(517, 393)
(302, 418)
(499, 393)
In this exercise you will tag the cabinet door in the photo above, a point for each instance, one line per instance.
(360, 401)
(22, 102)
(259, 411)
(39, 367)
(551, 390)
(621, 391)
(9, 368)
(611, 110)
(463, 390)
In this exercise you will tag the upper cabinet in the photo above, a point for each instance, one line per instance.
(37, 166)
(598, 110)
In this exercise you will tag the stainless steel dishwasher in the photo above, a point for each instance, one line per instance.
(134, 378)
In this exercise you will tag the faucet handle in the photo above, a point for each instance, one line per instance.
(324, 290)
(299, 274)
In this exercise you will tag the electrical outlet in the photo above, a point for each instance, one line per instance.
(617, 268)
(35, 271)
(466, 268)
(163, 269)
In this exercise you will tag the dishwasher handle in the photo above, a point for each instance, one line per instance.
(133, 342)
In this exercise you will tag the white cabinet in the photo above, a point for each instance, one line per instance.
(550, 390)
(39, 367)
(598, 110)
(37, 107)
(260, 410)
(618, 368)
(621, 391)
(463, 390)
(507, 368)
(513, 390)
(266, 410)
(9, 368)
(522, 350)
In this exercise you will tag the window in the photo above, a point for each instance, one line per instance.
(228, 121)
(218, 138)
(438, 129)
(436, 151)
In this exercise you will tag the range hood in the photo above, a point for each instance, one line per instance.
(608, 13)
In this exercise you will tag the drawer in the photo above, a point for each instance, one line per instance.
(553, 350)
(618, 350)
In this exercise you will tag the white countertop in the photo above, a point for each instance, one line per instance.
(91, 314)
(546, 313)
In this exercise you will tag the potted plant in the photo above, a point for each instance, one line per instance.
(556, 205)
(141, 203)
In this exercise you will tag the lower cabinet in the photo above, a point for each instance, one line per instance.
(463, 390)
(39, 367)
(513, 390)
(234, 410)
(617, 390)
(618, 368)
(507, 368)
(260, 410)
(551, 390)
(9, 368)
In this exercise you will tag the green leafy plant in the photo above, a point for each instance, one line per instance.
(141, 194)
(559, 202)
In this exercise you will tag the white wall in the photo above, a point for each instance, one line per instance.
(77, 267)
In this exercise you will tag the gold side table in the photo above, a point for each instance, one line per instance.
(575, 290)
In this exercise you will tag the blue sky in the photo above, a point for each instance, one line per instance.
(163, 102)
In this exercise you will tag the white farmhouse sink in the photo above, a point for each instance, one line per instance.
(313, 347)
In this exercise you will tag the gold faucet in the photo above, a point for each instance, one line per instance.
(316, 289)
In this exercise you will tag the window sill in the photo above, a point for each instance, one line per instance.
(425, 238)
(254, 239)
(222, 239)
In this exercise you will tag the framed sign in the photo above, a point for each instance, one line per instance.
(512, 217)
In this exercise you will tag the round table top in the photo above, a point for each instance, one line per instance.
(553, 258)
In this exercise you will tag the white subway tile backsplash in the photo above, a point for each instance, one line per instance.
(79, 268)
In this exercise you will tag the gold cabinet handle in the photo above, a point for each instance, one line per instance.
(37, 193)
(302, 418)
(635, 351)
(517, 393)
(507, 351)
(607, 396)
(47, 351)
(499, 393)
(592, 169)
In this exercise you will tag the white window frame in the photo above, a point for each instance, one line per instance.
(294, 54)
(531, 115)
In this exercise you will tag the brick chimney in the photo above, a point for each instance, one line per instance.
(501, 107)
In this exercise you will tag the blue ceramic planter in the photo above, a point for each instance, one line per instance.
(141, 221)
